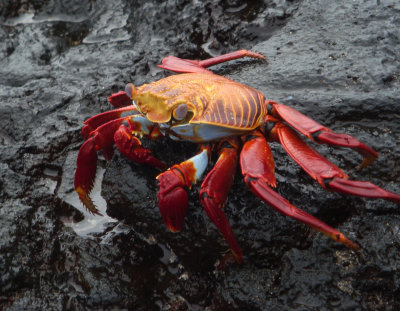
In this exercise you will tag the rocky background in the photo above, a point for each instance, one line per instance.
(336, 61)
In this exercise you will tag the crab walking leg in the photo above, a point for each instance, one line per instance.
(176, 64)
(86, 162)
(172, 196)
(101, 139)
(102, 118)
(214, 191)
(321, 134)
(258, 170)
(120, 99)
(327, 174)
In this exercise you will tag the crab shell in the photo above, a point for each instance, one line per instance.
(200, 107)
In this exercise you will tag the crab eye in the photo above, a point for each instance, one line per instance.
(129, 88)
(180, 112)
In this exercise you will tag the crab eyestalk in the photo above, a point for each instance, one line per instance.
(130, 90)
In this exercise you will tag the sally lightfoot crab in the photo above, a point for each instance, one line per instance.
(224, 116)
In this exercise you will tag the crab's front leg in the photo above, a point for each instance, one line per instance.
(172, 196)
(122, 132)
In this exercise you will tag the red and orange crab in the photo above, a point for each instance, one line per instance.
(218, 114)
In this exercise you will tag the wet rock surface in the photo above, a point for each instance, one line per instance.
(337, 62)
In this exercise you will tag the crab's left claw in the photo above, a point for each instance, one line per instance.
(172, 196)
(86, 165)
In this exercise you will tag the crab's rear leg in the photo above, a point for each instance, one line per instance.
(326, 173)
(214, 191)
(322, 134)
(172, 196)
(103, 138)
(257, 166)
(181, 65)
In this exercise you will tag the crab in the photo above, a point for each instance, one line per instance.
(223, 116)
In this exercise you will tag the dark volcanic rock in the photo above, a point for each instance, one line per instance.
(336, 61)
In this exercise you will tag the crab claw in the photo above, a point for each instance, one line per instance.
(172, 199)
(130, 146)
(85, 173)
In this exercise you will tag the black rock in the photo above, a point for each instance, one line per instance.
(336, 61)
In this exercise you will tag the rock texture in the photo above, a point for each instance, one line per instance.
(336, 61)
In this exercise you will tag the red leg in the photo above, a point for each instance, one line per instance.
(120, 99)
(321, 134)
(172, 196)
(214, 191)
(86, 162)
(326, 173)
(102, 118)
(85, 174)
(176, 64)
(258, 174)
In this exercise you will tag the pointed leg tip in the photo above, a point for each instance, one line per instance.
(367, 160)
(228, 259)
(87, 201)
(238, 257)
(362, 189)
(173, 228)
(341, 238)
(394, 197)
(353, 246)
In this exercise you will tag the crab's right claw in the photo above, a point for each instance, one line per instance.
(172, 196)
(85, 173)
(172, 199)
